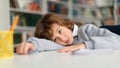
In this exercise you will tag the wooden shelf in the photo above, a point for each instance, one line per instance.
(26, 11)
(57, 2)
(90, 6)
(25, 29)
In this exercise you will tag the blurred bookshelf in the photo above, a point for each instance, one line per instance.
(99, 12)
(117, 12)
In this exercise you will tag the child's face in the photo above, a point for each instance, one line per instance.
(62, 35)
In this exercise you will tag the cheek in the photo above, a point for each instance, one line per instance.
(70, 36)
(71, 40)
(67, 32)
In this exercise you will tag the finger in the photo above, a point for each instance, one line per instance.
(20, 48)
(25, 50)
(64, 49)
(74, 48)
(31, 48)
(28, 47)
(69, 49)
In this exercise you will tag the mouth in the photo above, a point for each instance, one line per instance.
(67, 41)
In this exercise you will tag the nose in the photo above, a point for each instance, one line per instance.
(61, 38)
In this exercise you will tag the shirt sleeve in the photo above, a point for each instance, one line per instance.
(100, 38)
(43, 45)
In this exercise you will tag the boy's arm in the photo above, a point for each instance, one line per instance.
(43, 44)
(99, 38)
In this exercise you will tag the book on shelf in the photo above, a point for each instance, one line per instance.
(14, 4)
(26, 19)
(53, 7)
(31, 19)
(109, 21)
(30, 5)
(99, 13)
(75, 12)
(63, 0)
(23, 3)
(107, 12)
(34, 6)
(57, 8)
(118, 1)
(22, 21)
(59, 0)
(17, 38)
(64, 10)
(118, 11)
(84, 2)
(103, 3)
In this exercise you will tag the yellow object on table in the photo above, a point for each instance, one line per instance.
(6, 44)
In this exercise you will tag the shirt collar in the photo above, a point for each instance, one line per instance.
(75, 30)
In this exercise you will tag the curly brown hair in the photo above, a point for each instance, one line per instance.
(43, 29)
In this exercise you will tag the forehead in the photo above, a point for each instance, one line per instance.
(55, 26)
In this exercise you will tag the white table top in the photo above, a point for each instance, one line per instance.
(54, 59)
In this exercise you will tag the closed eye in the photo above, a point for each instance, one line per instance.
(54, 40)
(60, 31)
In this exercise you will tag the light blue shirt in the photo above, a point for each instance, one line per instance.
(92, 36)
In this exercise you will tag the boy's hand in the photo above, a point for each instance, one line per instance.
(73, 48)
(24, 47)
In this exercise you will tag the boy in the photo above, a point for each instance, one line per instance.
(69, 37)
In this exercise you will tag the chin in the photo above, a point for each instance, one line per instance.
(69, 44)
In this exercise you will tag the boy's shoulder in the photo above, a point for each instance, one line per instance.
(87, 26)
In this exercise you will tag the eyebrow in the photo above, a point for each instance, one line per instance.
(57, 29)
